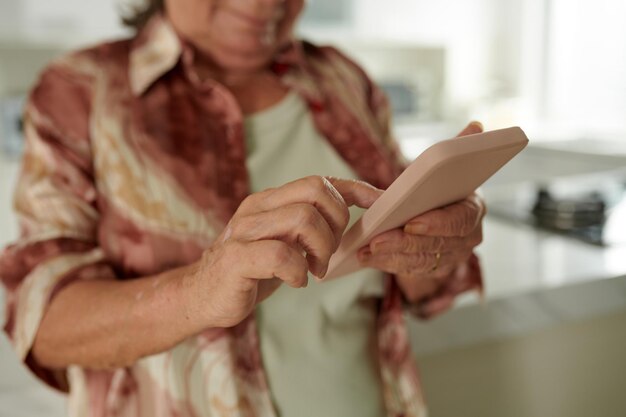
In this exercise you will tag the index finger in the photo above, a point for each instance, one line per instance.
(355, 192)
(455, 220)
(330, 196)
(471, 129)
(314, 190)
(398, 241)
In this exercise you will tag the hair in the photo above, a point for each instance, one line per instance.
(137, 16)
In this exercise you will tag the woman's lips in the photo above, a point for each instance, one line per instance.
(260, 24)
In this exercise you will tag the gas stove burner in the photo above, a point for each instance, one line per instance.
(567, 214)
(590, 208)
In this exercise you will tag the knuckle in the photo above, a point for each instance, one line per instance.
(302, 266)
(472, 204)
(280, 254)
(307, 215)
(465, 229)
(237, 227)
(470, 219)
(421, 261)
(438, 243)
(446, 224)
(477, 239)
(317, 183)
(248, 203)
(324, 252)
(469, 224)
(230, 253)
(395, 260)
(409, 243)
(402, 264)
(458, 225)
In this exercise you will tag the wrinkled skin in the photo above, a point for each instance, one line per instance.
(276, 236)
(411, 252)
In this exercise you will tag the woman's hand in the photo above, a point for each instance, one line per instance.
(275, 236)
(429, 255)
(429, 249)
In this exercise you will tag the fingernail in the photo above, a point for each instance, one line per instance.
(324, 270)
(378, 246)
(477, 124)
(364, 253)
(416, 228)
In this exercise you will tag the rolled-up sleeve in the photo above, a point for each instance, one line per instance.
(55, 200)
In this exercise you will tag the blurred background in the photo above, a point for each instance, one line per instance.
(550, 337)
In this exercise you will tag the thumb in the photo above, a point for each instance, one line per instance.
(471, 129)
(355, 192)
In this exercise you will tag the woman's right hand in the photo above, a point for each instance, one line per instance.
(275, 236)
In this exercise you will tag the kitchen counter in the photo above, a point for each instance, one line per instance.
(533, 279)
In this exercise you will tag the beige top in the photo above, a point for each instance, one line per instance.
(317, 343)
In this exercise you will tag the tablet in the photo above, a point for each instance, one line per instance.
(445, 173)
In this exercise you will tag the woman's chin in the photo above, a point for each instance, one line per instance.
(244, 58)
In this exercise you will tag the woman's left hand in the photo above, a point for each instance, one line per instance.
(431, 252)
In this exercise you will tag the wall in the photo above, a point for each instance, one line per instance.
(76, 22)
(464, 28)
(21, 64)
(10, 18)
(585, 80)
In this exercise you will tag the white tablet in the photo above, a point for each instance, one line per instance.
(445, 173)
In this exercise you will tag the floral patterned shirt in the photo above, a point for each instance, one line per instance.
(132, 167)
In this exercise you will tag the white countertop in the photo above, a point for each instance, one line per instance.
(518, 259)
(533, 279)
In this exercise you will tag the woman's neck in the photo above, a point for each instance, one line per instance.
(255, 89)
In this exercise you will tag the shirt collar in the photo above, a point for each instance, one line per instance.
(155, 51)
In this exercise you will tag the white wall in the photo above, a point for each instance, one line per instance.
(464, 28)
(73, 22)
(587, 64)
(10, 18)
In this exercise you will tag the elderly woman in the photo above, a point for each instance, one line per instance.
(148, 279)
